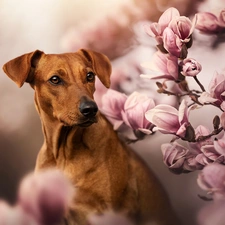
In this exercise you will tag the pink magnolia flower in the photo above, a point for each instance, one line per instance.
(172, 43)
(45, 196)
(222, 120)
(180, 159)
(168, 119)
(156, 29)
(135, 107)
(205, 150)
(166, 65)
(209, 23)
(112, 107)
(201, 131)
(211, 179)
(219, 145)
(217, 89)
(172, 31)
(222, 18)
(43, 199)
(15, 215)
(174, 156)
(190, 67)
(206, 97)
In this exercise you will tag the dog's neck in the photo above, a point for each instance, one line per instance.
(58, 138)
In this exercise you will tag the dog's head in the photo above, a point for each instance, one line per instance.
(64, 84)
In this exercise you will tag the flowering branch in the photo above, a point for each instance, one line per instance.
(173, 35)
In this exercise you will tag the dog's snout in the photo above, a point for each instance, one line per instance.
(88, 108)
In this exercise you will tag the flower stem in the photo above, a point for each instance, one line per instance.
(199, 83)
(215, 132)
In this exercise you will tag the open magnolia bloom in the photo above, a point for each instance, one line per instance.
(134, 112)
(168, 119)
(172, 32)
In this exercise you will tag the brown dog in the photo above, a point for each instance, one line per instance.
(81, 142)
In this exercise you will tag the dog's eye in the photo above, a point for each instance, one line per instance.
(55, 80)
(90, 77)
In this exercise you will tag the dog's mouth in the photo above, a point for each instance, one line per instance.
(82, 123)
(88, 122)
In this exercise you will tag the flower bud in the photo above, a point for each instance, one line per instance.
(190, 67)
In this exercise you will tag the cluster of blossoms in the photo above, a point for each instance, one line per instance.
(128, 110)
(191, 148)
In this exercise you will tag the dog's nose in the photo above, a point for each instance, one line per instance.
(88, 108)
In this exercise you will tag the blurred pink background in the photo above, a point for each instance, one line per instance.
(52, 26)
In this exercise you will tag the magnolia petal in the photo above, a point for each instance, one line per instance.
(183, 112)
(152, 29)
(205, 98)
(163, 120)
(212, 179)
(170, 42)
(145, 131)
(167, 16)
(219, 145)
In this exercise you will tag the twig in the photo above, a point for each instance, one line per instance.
(199, 83)
(215, 132)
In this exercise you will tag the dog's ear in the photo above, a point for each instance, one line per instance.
(20, 69)
(101, 65)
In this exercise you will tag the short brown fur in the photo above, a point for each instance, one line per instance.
(105, 173)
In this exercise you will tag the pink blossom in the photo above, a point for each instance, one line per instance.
(45, 196)
(156, 29)
(43, 199)
(222, 18)
(180, 159)
(174, 156)
(15, 215)
(204, 150)
(211, 179)
(196, 156)
(166, 65)
(205, 98)
(219, 145)
(168, 119)
(222, 120)
(212, 155)
(177, 36)
(172, 43)
(190, 67)
(201, 131)
(172, 32)
(135, 107)
(192, 162)
(183, 27)
(209, 23)
(217, 88)
(112, 107)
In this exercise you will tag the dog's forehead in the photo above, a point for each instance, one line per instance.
(70, 63)
(66, 59)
